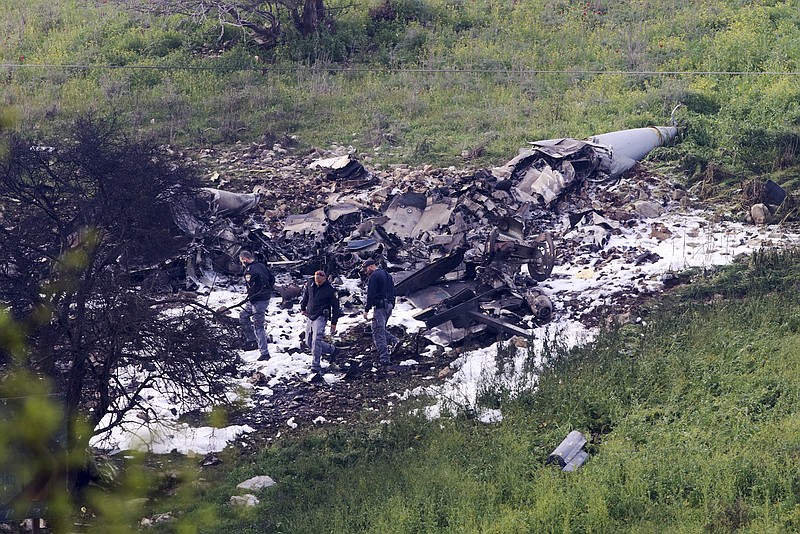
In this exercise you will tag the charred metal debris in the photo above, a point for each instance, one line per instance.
(466, 248)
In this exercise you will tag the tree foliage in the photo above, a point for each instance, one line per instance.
(78, 219)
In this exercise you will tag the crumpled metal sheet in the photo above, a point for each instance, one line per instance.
(334, 212)
(312, 223)
(199, 268)
(225, 204)
(546, 184)
(445, 333)
(434, 216)
(344, 169)
(192, 215)
(429, 274)
(591, 228)
(404, 213)
(551, 166)
(334, 164)
(184, 219)
(421, 224)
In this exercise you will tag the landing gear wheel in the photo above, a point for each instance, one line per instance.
(489, 248)
(542, 263)
(542, 309)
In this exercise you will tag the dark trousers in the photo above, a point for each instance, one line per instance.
(315, 338)
(380, 335)
(252, 319)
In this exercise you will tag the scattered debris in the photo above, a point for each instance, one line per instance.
(34, 525)
(449, 237)
(569, 454)
(247, 500)
(210, 460)
(482, 235)
(148, 522)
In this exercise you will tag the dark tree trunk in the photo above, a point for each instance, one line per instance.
(313, 16)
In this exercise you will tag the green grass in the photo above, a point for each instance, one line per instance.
(479, 77)
(693, 422)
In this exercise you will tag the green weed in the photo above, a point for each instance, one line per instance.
(476, 78)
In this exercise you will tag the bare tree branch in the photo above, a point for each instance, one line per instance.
(260, 20)
(76, 222)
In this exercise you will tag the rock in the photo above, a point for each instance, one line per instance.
(647, 209)
(660, 231)
(519, 342)
(257, 483)
(158, 518)
(247, 500)
(759, 213)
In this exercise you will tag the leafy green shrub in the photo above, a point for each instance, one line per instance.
(418, 11)
(409, 48)
(162, 43)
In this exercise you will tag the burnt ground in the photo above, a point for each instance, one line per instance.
(279, 173)
(368, 393)
(363, 393)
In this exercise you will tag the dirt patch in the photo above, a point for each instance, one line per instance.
(367, 392)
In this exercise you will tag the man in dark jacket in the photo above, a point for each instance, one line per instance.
(319, 302)
(252, 318)
(380, 297)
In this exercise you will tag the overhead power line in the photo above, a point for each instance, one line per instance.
(20, 66)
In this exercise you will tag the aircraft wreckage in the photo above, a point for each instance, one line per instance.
(468, 252)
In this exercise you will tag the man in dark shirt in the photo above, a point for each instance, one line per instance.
(380, 297)
(319, 302)
(252, 318)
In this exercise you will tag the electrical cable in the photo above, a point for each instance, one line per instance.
(284, 70)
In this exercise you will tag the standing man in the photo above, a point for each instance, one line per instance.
(319, 302)
(259, 280)
(380, 296)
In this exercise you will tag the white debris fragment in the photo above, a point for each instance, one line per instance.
(246, 500)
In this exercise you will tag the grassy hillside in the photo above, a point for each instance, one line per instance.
(694, 415)
(438, 82)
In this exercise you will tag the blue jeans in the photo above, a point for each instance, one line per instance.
(381, 336)
(315, 334)
(252, 319)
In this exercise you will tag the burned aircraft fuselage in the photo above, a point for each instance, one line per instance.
(469, 250)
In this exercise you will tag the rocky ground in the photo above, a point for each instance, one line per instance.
(369, 395)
